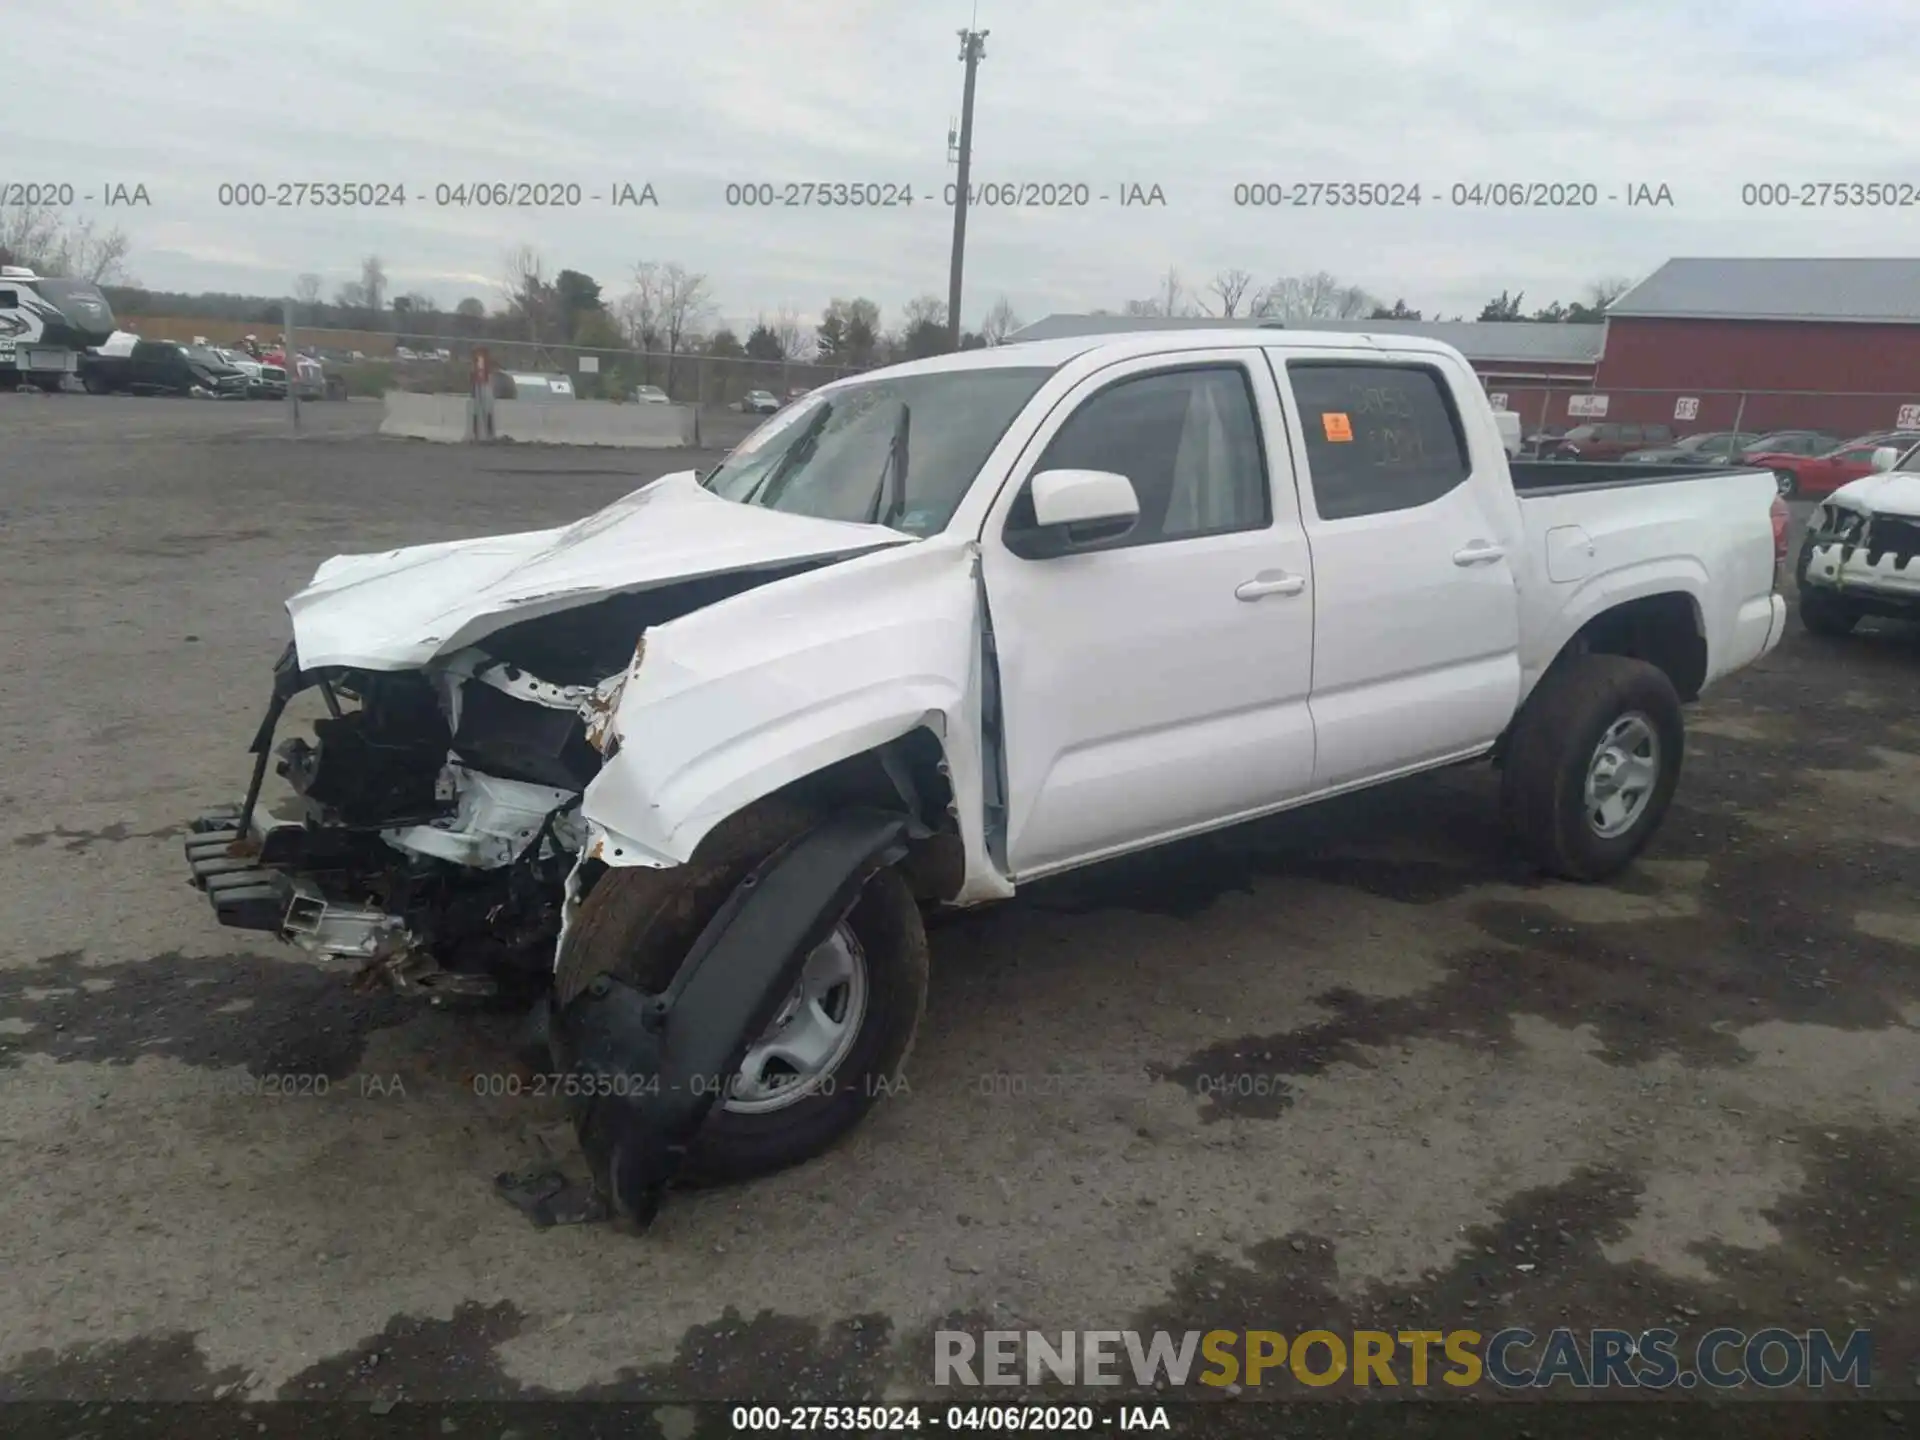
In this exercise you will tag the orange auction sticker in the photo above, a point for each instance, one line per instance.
(1337, 425)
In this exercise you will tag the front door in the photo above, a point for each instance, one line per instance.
(1414, 532)
(1157, 683)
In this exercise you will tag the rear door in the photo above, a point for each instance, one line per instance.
(1411, 521)
(146, 366)
(1155, 684)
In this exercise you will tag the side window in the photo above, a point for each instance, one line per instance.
(9, 299)
(1629, 435)
(1189, 441)
(1379, 437)
(1659, 434)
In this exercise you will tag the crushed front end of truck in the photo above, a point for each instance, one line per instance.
(423, 834)
(1861, 555)
(497, 735)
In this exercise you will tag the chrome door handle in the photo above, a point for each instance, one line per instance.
(1478, 553)
(1271, 585)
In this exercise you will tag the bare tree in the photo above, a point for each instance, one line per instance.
(923, 310)
(1319, 296)
(638, 311)
(796, 340)
(527, 291)
(306, 288)
(100, 258)
(666, 310)
(40, 238)
(1169, 300)
(1000, 323)
(686, 308)
(1173, 294)
(1230, 287)
(1603, 292)
(373, 282)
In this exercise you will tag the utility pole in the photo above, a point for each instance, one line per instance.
(973, 44)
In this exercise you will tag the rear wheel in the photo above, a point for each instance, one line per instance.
(840, 1037)
(1826, 614)
(1592, 764)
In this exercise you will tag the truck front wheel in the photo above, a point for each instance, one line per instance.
(1592, 764)
(1825, 614)
(839, 1040)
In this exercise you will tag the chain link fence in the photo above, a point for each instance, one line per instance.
(1549, 405)
(444, 365)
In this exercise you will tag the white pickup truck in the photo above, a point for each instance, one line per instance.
(685, 771)
(1862, 542)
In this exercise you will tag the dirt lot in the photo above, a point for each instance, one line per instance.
(1349, 1068)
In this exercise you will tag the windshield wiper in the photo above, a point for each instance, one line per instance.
(775, 480)
(890, 495)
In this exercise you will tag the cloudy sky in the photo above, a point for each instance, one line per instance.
(1192, 96)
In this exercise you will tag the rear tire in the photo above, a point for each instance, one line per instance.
(1826, 615)
(1594, 720)
(639, 923)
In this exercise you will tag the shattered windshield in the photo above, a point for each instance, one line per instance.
(899, 452)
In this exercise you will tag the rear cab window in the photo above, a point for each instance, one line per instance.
(1380, 435)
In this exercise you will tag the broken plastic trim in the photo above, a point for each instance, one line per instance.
(288, 680)
(651, 1067)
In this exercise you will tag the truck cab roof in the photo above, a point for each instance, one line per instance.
(1127, 344)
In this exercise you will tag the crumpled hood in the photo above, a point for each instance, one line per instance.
(399, 609)
(1890, 492)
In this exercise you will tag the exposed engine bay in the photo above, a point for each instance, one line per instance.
(431, 820)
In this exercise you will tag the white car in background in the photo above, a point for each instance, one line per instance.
(1861, 556)
(650, 395)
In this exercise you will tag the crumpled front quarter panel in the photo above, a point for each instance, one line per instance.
(732, 702)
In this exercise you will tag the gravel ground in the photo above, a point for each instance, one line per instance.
(1456, 1095)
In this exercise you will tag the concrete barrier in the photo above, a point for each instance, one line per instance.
(424, 417)
(539, 422)
(594, 422)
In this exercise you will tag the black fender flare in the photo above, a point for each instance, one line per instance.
(647, 1068)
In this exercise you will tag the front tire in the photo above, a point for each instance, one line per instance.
(869, 979)
(1826, 615)
(1592, 764)
(1787, 483)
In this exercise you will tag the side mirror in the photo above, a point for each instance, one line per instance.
(1885, 458)
(1073, 509)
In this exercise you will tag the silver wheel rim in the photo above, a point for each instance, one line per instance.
(811, 1034)
(1621, 776)
(1783, 481)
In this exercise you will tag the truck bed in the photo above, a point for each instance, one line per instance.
(1557, 477)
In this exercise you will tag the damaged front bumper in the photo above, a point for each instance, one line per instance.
(223, 861)
(1872, 561)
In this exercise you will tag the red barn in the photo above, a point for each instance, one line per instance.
(1774, 344)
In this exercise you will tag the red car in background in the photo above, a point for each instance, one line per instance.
(1811, 475)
